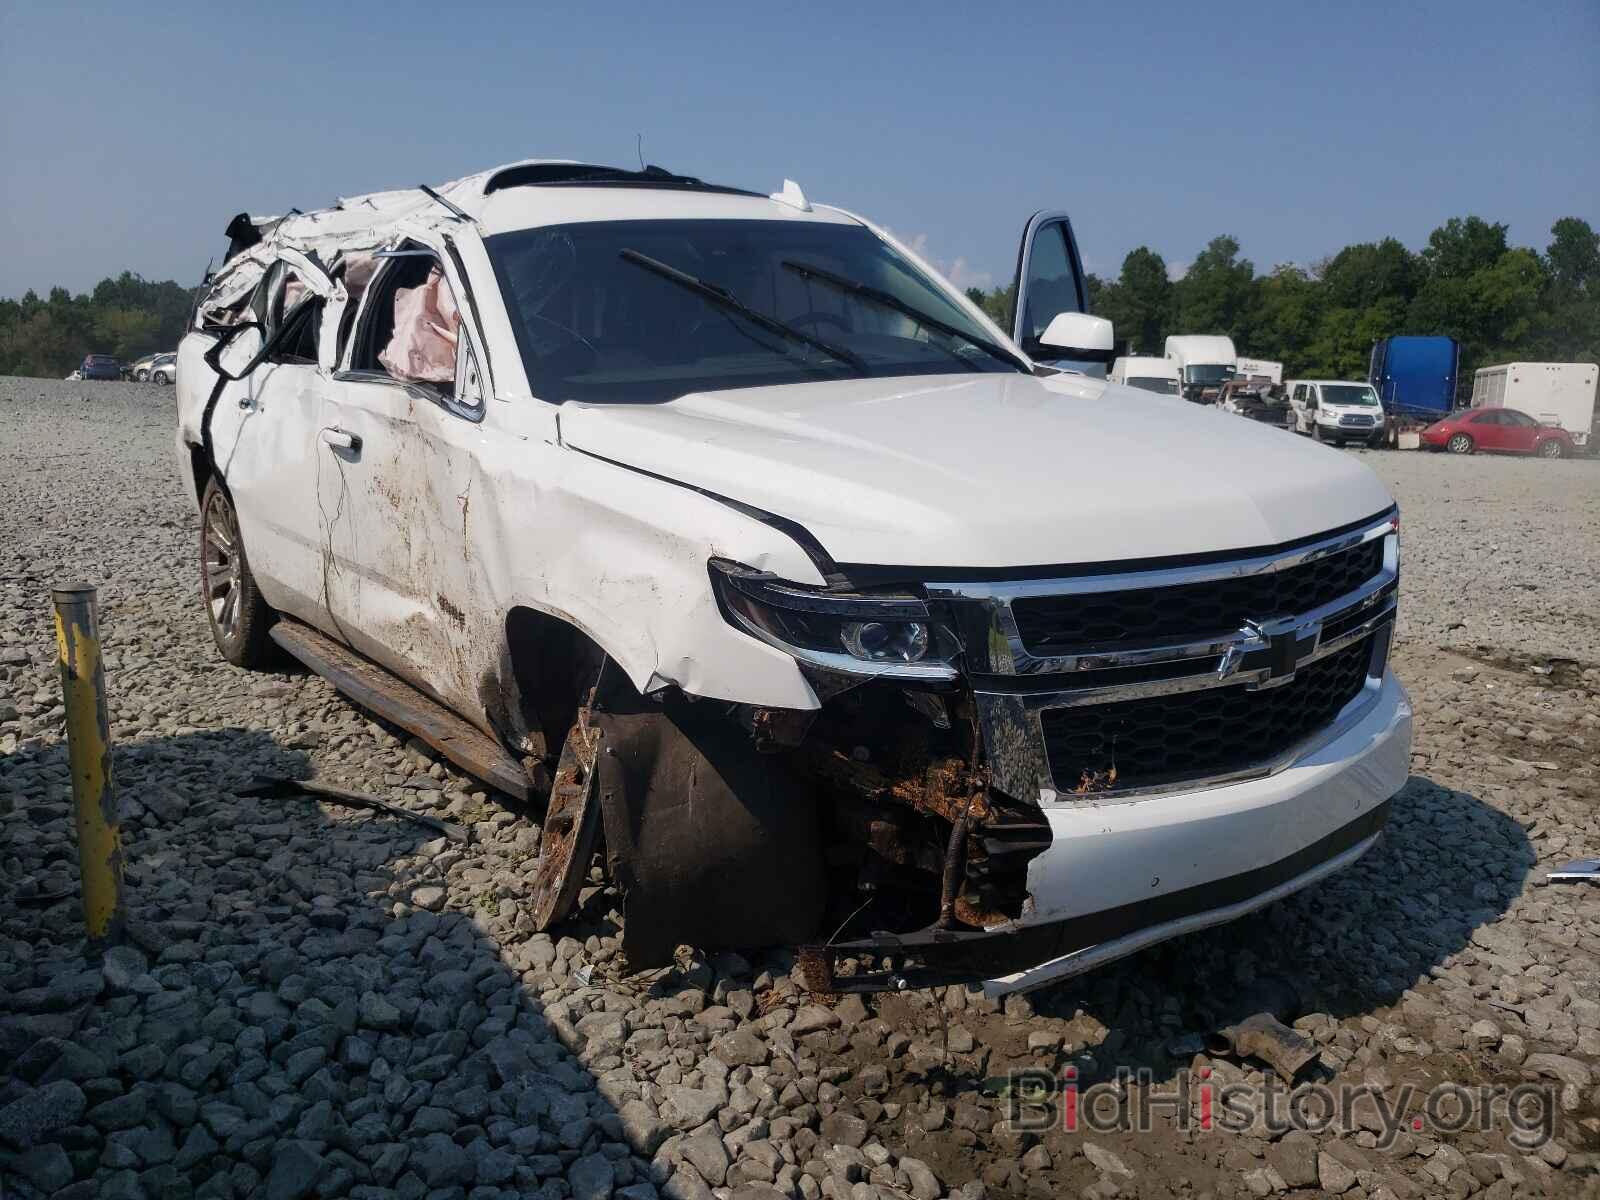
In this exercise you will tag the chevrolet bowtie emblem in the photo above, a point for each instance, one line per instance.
(1275, 647)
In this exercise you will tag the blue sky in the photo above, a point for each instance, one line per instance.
(130, 133)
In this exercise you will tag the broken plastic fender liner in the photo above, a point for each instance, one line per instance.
(710, 843)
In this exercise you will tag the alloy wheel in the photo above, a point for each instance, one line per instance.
(222, 565)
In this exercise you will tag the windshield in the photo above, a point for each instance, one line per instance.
(598, 319)
(1349, 393)
(1154, 383)
(1208, 373)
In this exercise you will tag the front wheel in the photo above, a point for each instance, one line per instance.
(1551, 449)
(238, 615)
(161, 377)
(1459, 443)
(1316, 432)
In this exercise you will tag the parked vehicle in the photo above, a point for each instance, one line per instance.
(1334, 410)
(99, 366)
(139, 369)
(1157, 375)
(1255, 399)
(1499, 430)
(725, 526)
(1259, 368)
(1554, 393)
(1415, 376)
(163, 368)
(1204, 362)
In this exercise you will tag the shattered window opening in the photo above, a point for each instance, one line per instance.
(410, 325)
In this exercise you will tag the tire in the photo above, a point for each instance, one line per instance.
(161, 377)
(1377, 443)
(238, 616)
(1460, 443)
(1550, 448)
(142, 376)
(1316, 432)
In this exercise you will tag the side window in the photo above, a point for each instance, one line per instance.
(1513, 417)
(409, 325)
(285, 293)
(1051, 287)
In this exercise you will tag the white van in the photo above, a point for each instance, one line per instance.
(1157, 375)
(1336, 410)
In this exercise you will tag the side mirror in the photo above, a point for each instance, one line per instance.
(1078, 335)
(237, 351)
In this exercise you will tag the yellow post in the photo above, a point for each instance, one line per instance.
(83, 692)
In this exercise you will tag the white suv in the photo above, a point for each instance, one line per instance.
(724, 523)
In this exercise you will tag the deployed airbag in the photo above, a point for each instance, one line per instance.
(423, 346)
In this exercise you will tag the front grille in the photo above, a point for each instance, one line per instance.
(1193, 735)
(1190, 611)
(1355, 419)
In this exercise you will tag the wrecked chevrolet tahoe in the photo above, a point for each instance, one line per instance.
(722, 527)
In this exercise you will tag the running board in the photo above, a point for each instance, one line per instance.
(373, 688)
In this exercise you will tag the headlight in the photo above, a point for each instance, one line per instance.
(859, 633)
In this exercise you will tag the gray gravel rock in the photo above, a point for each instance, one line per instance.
(41, 1112)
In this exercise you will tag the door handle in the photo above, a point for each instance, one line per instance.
(339, 439)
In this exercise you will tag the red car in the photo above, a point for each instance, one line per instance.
(1504, 430)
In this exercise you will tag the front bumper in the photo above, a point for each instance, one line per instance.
(1119, 877)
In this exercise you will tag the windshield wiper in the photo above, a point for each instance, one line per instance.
(888, 300)
(726, 299)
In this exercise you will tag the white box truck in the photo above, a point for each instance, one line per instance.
(1554, 393)
(1205, 362)
(1260, 368)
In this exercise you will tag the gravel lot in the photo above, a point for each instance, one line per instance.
(322, 1000)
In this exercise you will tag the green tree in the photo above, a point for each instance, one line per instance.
(1574, 257)
(1288, 306)
(1369, 272)
(1139, 303)
(1463, 245)
(1568, 324)
(1214, 294)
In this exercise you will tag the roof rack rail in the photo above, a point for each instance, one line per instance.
(592, 175)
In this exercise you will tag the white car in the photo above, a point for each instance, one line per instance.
(1337, 411)
(724, 523)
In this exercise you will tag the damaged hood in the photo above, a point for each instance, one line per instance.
(989, 471)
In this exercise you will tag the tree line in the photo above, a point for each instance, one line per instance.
(127, 317)
(1503, 303)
